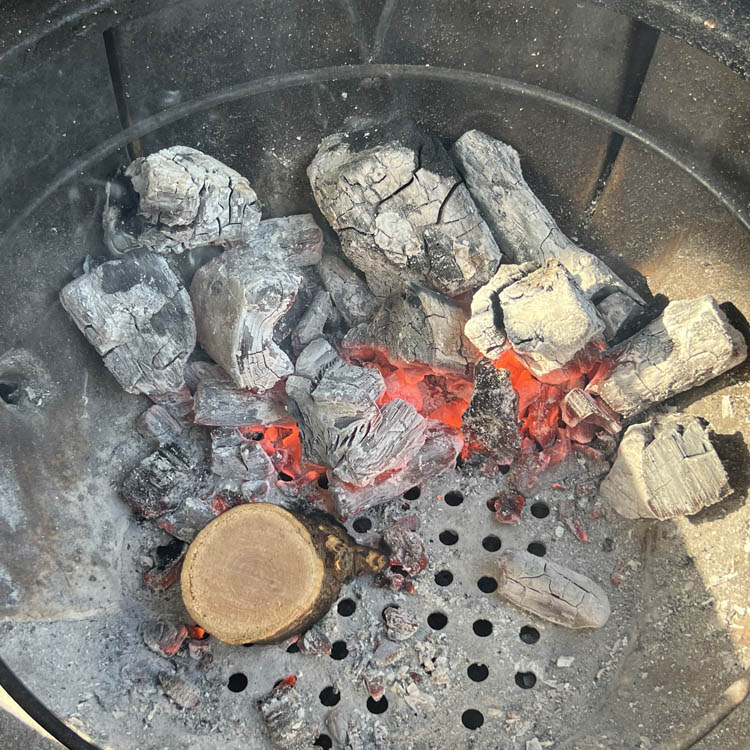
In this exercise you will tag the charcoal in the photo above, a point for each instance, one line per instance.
(551, 591)
(442, 446)
(164, 638)
(298, 238)
(579, 406)
(337, 724)
(311, 285)
(179, 690)
(418, 325)
(310, 326)
(348, 290)
(491, 419)
(315, 642)
(219, 403)
(401, 211)
(507, 506)
(689, 344)
(665, 467)
(137, 315)
(163, 576)
(178, 404)
(618, 311)
(406, 548)
(196, 371)
(235, 457)
(158, 425)
(188, 199)
(194, 513)
(399, 624)
(285, 717)
(521, 225)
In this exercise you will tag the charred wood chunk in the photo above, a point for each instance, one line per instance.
(689, 344)
(551, 591)
(619, 313)
(401, 211)
(441, 447)
(418, 325)
(219, 403)
(665, 467)
(235, 457)
(310, 326)
(238, 299)
(158, 425)
(348, 290)
(520, 223)
(137, 315)
(298, 238)
(286, 718)
(196, 371)
(194, 513)
(187, 199)
(579, 406)
(399, 624)
(182, 692)
(310, 287)
(491, 419)
(178, 404)
(406, 548)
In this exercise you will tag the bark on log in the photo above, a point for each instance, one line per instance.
(401, 211)
(665, 467)
(219, 403)
(689, 344)
(349, 292)
(551, 591)
(259, 573)
(138, 316)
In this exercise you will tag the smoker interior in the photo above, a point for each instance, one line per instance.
(230, 78)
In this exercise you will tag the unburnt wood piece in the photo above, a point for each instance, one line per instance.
(348, 290)
(520, 223)
(310, 326)
(665, 467)
(551, 591)
(418, 325)
(259, 573)
(188, 199)
(138, 316)
(580, 406)
(441, 447)
(298, 238)
(401, 210)
(689, 344)
(238, 298)
(548, 320)
(491, 419)
(220, 403)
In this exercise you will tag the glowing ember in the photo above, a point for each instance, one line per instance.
(507, 507)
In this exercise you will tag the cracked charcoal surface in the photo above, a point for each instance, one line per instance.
(138, 316)
(348, 290)
(220, 403)
(298, 238)
(401, 211)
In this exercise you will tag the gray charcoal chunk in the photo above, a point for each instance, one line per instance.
(158, 425)
(399, 624)
(401, 211)
(310, 326)
(551, 591)
(137, 315)
(298, 238)
(285, 717)
(196, 371)
(349, 291)
(406, 548)
(617, 311)
(219, 403)
(665, 467)
(235, 457)
(182, 692)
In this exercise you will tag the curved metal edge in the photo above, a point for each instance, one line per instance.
(39, 712)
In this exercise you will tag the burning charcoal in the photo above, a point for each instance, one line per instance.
(235, 457)
(137, 315)
(442, 446)
(520, 223)
(298, 238)
(158, 425)
(168, 568)
(187, 199)
(690, 343)
(508, 507)
(551, 591)
(164, 639)
(418, 325)
(665, 467)
(401, 210)
(303, 300)
(182, 692)
(580, 406)
(491, 419)
(349, 292)
(575, 524)
(238, 298)
(406, 548)
(399, 624)
(315, 642)
(284, 714)
(310, 326)
(219, 403)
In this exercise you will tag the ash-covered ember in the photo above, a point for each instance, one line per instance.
(314, 642)
(166, 572)
(399, 624)
(164, 638)
(507, 507)
(405, 546)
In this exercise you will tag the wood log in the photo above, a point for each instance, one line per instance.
(187, 199)
(260, 573)
(418, 325)
(551, 591)
(348, 290)
(138, 316)
(238, 299)
(220, 403)
(401, 211)
(689, 344)
(665, 467)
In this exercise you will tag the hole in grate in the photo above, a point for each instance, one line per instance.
(237, 682)
(482, 628)
(361, 525)
(477, 672)
(324, 741)
(529, 634)
(487, 584)
(10, 393)
(377, 707)
(256, 436)
(284, 477)
(413, 493)
(329, 696)
(437, 620)
(491, 543)
(472, 719)
(537, 548)
(448, 537)
(293, 648)
(246, 645)
(454, 498)
(323, 481)
(540, 510)
(444, 578)
(525, 680)
(339, 650)
(346, 607)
